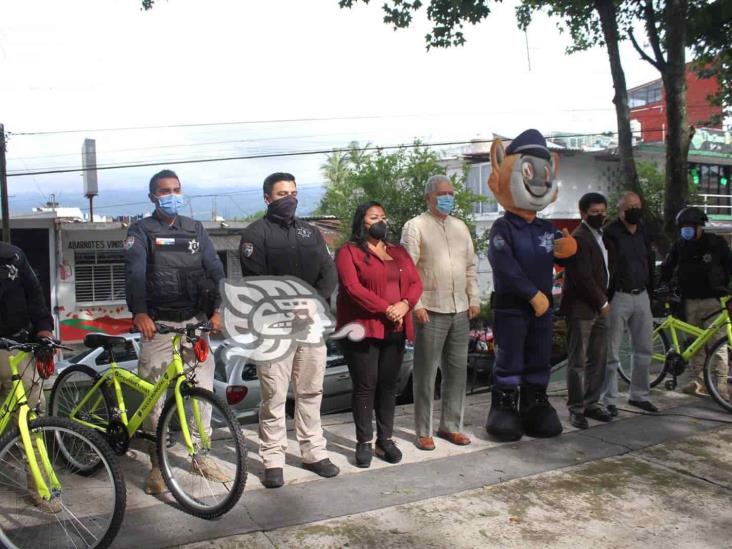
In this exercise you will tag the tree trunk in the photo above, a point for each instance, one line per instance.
(608, 19)
(677, 141)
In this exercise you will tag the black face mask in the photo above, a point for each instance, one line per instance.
(633, 216)
(283, 209)
(596, 221)
(378, 230)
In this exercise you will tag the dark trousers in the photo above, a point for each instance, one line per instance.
(523, 348)
(586, 361)
(374, 365)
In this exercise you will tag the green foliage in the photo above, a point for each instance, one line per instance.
(395, 179)
(710, 39)
(653, 184)
(448, 17)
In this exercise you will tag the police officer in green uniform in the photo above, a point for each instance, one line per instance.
(703, 263)
(172, 275)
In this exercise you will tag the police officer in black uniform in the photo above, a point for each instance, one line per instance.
(703, 263)
(22, 307)
(172, 276)
(281, 244)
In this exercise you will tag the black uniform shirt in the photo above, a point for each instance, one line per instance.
(21, 297)
(138, 250)
(273, 247)
(702, 266)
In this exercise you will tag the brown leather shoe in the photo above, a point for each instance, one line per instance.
(456, 438)
(425, 443)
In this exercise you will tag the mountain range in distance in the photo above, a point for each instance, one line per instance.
(203, 202)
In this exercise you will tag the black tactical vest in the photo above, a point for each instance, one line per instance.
(701, 272)
(175, 264)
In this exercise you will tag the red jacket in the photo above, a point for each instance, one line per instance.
(362, 285)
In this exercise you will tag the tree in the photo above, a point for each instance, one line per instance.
(580, 18)
(710, 38)
(394, 179)
(665, 23)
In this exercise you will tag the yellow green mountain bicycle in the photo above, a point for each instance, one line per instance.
(675, 342)
(60, 483)
(188, 444)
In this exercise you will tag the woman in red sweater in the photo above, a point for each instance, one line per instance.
(379, 286)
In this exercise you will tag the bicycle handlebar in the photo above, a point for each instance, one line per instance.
(188, 330)
(32, 346)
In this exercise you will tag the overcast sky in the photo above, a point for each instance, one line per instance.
(96, 64)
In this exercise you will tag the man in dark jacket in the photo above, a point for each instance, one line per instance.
(22, 307)
(172, 275)
(631, 284)
(585, 303)
(703, 263)
(281, 244)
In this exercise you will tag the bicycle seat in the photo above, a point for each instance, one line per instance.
(102, 340)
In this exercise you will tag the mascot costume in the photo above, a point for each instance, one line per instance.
(522, 252)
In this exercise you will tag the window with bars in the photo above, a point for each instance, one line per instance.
(100, 276)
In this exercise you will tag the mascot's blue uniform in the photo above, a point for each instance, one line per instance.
(522, 251)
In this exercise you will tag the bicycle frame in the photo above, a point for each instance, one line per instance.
(17, 398)
(702, 336)
(117, 377)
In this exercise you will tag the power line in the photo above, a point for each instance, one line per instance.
(285, 154)
(298, 120)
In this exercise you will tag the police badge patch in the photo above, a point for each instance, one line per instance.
(193, 246)
(498, 242)
(129, 242)
(247, 248)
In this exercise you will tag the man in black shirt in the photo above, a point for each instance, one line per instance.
(22, 307)
(631, 282)
(703, 263)
(281, 244)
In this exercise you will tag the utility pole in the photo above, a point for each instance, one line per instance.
(4, 187)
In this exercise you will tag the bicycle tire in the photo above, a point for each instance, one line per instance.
(661, 369)
(68, 519)
(709, 377)
(64, 396)
(195, 504)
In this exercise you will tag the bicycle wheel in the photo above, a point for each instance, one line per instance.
(719, 385)
(69, 390)
(84, 510)
(660, 345)
(210, 482)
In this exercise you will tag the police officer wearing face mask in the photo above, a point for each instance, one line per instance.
(172, 276)
(281, 244)
(702, 263)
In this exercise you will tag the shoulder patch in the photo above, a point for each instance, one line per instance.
(498, 242)
(129, 242)
(247, 249)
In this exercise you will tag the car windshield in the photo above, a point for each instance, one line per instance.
(78, 358)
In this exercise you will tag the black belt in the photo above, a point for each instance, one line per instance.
(634, 291)
(172, 315)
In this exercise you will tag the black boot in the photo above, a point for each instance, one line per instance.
(504, 422)
(538, 417)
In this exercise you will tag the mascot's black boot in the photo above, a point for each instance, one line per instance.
(538, 417)
(504, 422)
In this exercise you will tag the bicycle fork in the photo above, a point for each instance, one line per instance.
(185, 429)
(30, 449)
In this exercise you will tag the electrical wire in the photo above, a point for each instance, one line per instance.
(48, 171)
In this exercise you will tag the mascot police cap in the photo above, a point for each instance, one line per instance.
(523, 175)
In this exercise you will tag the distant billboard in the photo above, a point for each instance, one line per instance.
(89, 163)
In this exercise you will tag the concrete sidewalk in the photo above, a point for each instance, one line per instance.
(674, 467)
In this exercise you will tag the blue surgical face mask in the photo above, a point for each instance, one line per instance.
(688, 233)
(445, 203)
(171, 204)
